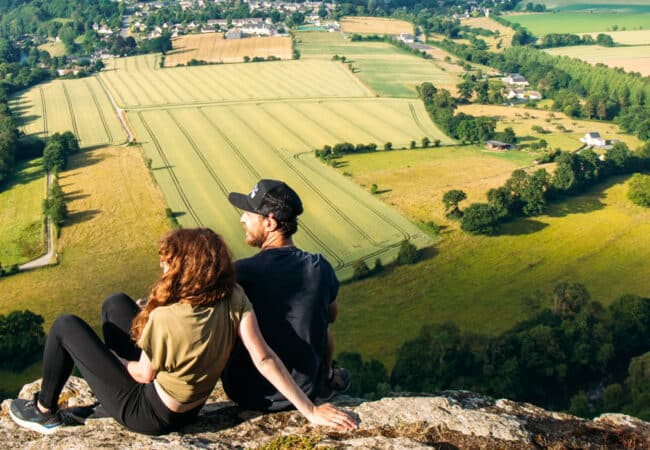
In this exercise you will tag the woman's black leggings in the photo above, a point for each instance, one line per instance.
(72, 342)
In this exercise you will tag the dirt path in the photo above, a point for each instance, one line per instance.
(49, 257)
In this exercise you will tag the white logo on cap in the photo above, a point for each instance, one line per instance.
(254, 191)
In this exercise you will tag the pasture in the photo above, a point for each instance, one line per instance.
(229, 147)
(80, 106)
(137, 82)
(387, 70)
(21, 218)
(213, 48)
(375, 25)
(522, 119)
(630, 59)
(53, 48)
(581, 22)
(487, 284)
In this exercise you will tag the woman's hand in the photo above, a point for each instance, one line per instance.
(331, 416)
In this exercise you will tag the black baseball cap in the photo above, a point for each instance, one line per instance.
(287, 204)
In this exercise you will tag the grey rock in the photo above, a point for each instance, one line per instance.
(446, 420)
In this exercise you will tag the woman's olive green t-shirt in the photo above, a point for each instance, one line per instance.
(189, 346)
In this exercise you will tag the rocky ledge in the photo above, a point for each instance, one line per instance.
(446, 420)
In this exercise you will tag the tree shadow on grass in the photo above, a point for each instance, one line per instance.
(383, 191)
(81, 216)
(75, 195)
(586, 202)
(80, 160)
(163, 167)
(521, 227)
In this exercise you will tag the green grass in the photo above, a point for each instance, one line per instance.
(484, 284)
(580, 22)
(636, 6)
(387, 70)
(21, 219)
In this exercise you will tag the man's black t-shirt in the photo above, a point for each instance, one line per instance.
(290, 291)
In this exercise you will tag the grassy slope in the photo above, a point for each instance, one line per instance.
(386, 69)
(109, 242)
(481, 283)
(21, 227)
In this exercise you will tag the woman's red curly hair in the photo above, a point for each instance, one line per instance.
(200, 273)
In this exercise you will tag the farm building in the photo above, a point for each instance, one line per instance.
(515, 79)
(407, 38)
(498, 146)
(517, 93)
(593, 139)
(258, 29)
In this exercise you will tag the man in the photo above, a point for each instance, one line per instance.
(294, 296)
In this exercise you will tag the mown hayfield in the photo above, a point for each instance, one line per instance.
(485, 284)
(504, 37)
(630, 59)
(387, 70)
(630, 37)
(21, 219)
(212, 47)
(580, 22)
(522, 120)
(136, 83)
(375, 25)
(229, 147)
(80, 106)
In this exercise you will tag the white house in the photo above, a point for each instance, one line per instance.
(593, 139)
(514, 79)
(258, 29)
(407, 38)
(534, 95)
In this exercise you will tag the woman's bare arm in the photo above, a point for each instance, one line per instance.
(270, 366)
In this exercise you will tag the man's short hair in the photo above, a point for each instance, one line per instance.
(280, 200)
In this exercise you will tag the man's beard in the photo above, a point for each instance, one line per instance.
(255, 240)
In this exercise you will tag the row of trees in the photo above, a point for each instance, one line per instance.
(59, 146)
(21, 339)
(568, 39)
(561, 358)
(441, 105)
(8, 142)
(528, 194)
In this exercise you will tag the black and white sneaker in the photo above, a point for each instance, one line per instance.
(26, 414)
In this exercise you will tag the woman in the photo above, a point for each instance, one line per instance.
(184, 336)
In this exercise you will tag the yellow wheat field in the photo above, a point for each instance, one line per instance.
(212, 47)
(375, 25)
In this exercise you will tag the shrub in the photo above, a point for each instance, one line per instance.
(360, 269)
(479, 218)
(373, 188)
(412, 145)
(639, 190)
(379, 267)
(408, 254)
(425, 142)
(388, 146)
